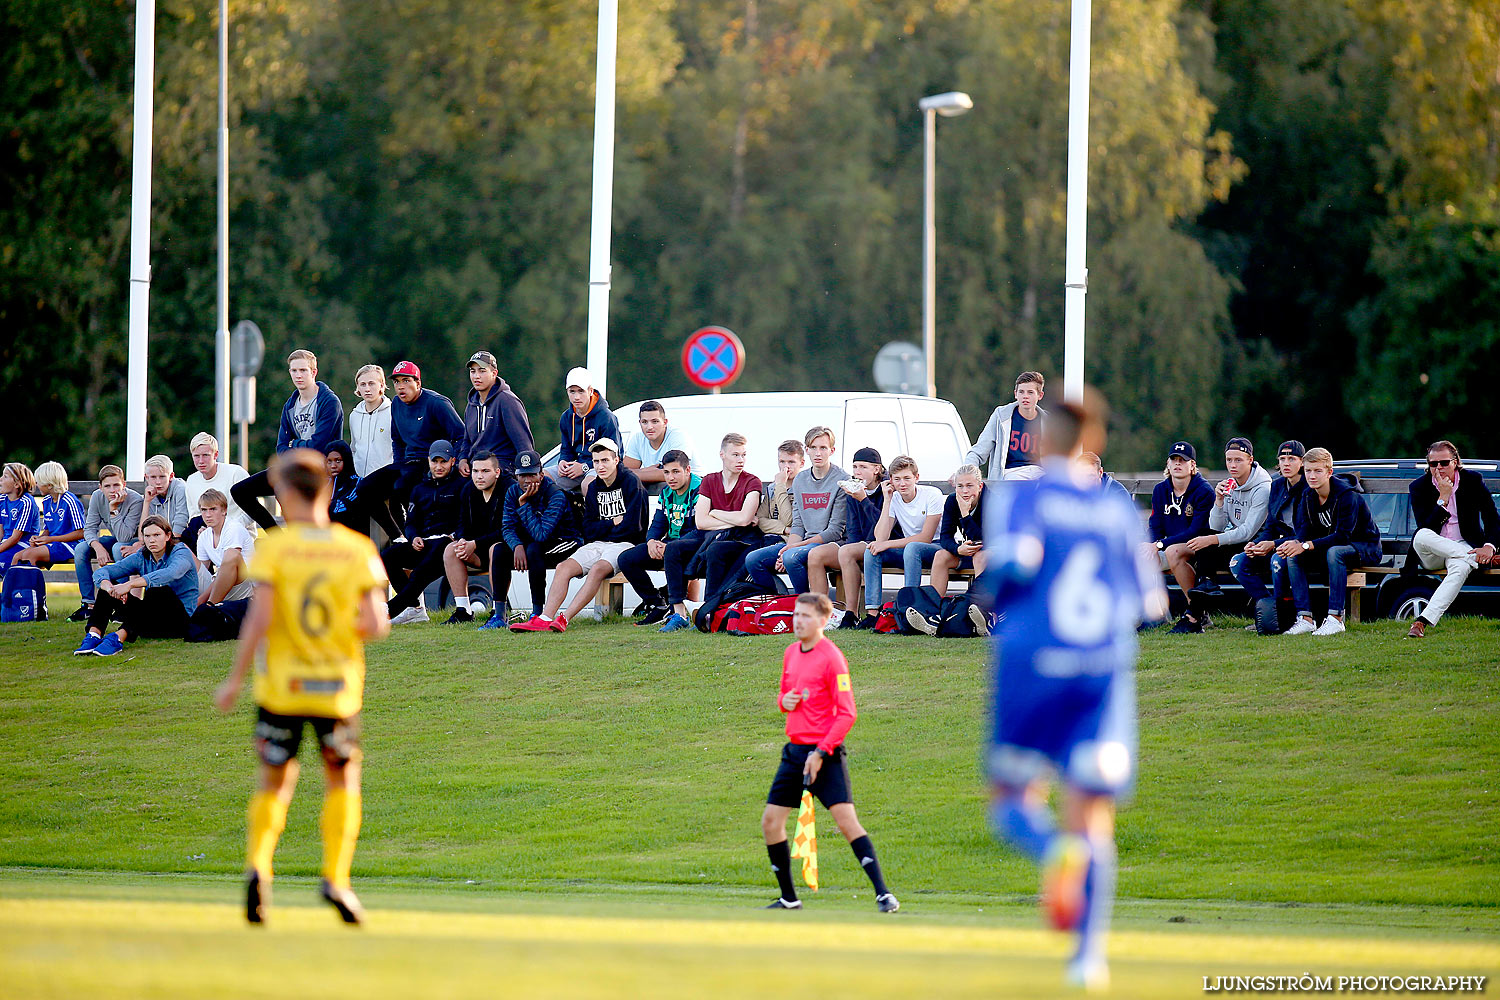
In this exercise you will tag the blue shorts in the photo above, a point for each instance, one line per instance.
(61, 552)
(1083, 729)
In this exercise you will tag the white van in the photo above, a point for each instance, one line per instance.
(929, 430)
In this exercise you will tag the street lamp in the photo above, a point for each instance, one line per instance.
(948, 105)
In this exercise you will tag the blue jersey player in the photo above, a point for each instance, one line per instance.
(1069, 572)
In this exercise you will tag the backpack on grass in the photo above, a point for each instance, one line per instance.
(765, 615)
(25, 595)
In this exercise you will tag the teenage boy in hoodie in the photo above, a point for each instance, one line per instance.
(1180, 505)
(586, 420)
(494, 420)
(343, 504)
(311, 418)
(419, 417)
(673, 522)
(1252, 567)
(1239, 511)
(1334, 528)
(431, 522)
(479, 519)
(614, 520)
(818, 513)
(1458, 529)
(1010, 444)
(538, 530)
(369, 426)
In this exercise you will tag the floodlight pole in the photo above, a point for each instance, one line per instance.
(948, 105)
(140, 239)
(1075, 270)
(221, 341)
(604, 176)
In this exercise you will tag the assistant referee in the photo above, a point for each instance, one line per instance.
(819, 701)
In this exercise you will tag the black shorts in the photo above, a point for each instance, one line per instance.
(277, 737)
(831, 787)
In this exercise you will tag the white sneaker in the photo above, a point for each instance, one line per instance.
(1330, 626)
(835, 618)
(410, 616)
(1088, 976)
(918, 621)
(1302, 626)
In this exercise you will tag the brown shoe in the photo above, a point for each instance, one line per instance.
(1418, 629)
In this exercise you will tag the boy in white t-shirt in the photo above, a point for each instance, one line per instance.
(225, 548)
(645, 452)
(210, 474)
(910, 515)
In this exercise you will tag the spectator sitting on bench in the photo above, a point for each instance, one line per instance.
(863, 502)
(773, 518)
(909, 519)
(538, 529)
(20, 515)
(1457, 528)
(1106, 481)
(311, 417)
(1252, 567)
(110, 525)
(210, 473)
(1239, 511)
(431, 521)
(1334, 527)
(1180, 505)
(587, 419)
(479, 519)
(726, 514)
(961, 534)
(614, 520)
(62, 519)
(672, 525)
(225, 547)
(152, 593)
(817, 518)
(165, 496)
(646, 452)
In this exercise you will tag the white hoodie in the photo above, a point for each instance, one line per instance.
(369, 436)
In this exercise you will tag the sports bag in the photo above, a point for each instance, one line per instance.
(956, 618)
(710, 617)
(768, 615)
(924, 601)
(25, 596)
(885, 621)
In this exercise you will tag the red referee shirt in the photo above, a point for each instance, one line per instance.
(826, 714)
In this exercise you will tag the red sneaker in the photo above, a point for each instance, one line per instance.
(559, 624)
(536, 623)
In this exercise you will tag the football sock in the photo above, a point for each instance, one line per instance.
(1028, 829)
(340, 824)
(864, 852)
(265, 820)
(1098, 899)
(781, 865)
(463, 603)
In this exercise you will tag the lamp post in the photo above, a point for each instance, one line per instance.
(948, 105)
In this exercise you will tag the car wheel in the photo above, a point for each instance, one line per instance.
(1410, 602)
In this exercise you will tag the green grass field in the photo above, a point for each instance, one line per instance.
(577, 815)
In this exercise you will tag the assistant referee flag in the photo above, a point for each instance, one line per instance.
(805, 843)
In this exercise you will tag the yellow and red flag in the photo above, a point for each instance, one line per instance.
(805, 842)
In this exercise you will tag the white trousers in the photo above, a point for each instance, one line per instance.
(1437, 552)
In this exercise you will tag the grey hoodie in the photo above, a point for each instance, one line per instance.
(818, 504)
(1239, 518)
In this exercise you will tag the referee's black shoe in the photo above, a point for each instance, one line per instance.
(887, 903)
(783, 904)
(257, 898)
(344, 900)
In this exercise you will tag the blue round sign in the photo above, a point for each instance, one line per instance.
(713, 357)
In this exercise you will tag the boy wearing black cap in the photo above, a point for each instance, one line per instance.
(1180, 505)
(431, 522)
(1252, 567)
(494, 420)
(1239, 510)
(538, 530)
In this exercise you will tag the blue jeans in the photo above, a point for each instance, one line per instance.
(918, 556)
(761, 565)
(82, 556)
(1340, 559)
(874, 586)
(1252, 573)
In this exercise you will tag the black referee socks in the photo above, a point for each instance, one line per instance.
(781, 864)
(864, 852)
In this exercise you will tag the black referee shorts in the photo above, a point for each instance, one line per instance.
(831, 787)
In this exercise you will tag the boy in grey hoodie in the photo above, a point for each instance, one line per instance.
(1241, 502)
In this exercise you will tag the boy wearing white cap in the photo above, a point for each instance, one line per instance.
(586, 420)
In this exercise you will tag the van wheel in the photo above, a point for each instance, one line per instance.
(1410, 602)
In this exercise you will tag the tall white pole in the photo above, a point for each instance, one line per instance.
(929, 247)
(604, 178)
(221, 342)
(1076, 273)
(140, 239)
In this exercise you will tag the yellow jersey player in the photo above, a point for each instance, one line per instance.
(320, 593)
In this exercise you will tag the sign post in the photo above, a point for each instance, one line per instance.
(713, 357)
(247, 349)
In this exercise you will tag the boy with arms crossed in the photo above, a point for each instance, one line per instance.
(321, 595)
(819, 704)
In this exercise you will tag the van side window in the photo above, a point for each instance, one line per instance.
(935, 447)
(882, 435)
